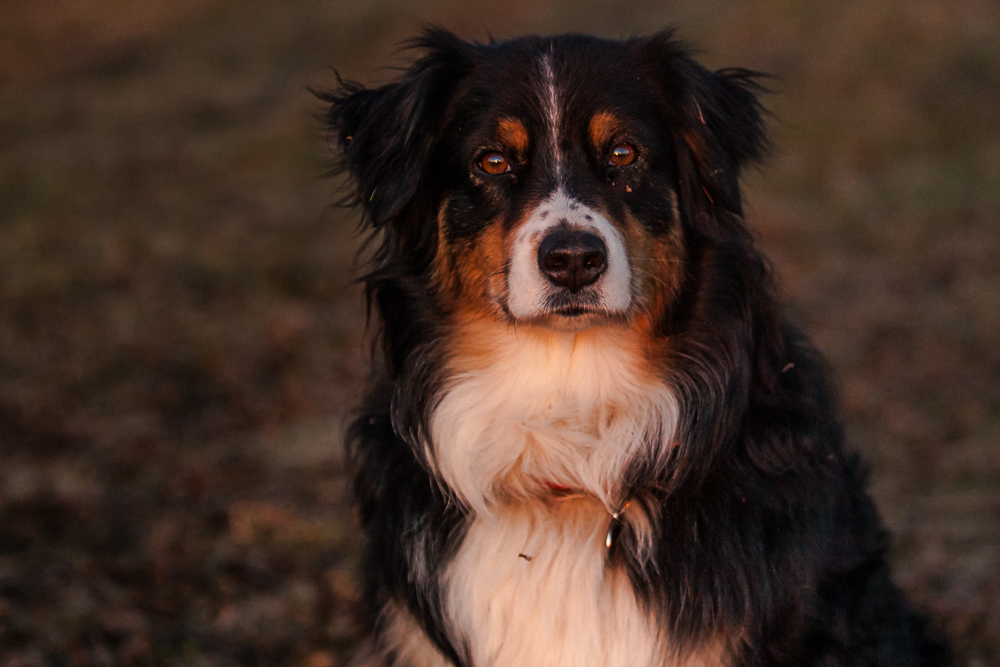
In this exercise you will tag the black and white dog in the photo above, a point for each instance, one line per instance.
(591, 440)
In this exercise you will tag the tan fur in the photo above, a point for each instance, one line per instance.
(657, 267)
(470, 276)
(602, 128)
(512, 133)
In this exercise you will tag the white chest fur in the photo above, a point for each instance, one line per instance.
(526, 409)
(532, 588)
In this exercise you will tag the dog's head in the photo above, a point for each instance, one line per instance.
(557, 182)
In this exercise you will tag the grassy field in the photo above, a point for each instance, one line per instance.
(179, 337)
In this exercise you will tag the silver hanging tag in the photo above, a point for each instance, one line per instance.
(615, 527)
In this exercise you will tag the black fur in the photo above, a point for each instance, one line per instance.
(762, 517)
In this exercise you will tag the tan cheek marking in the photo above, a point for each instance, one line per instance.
(470, 272)
(445, 276)
(658, 262)
(603, 126)
(513, 133)
(492, 253)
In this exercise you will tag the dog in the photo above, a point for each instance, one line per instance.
(591, 438)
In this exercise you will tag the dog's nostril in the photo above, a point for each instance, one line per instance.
(593, 260)
(556, 262)
(572, 259)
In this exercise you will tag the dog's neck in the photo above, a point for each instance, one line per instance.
(526, 411)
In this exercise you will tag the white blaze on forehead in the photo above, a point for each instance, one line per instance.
(553, 115)
(529, 290)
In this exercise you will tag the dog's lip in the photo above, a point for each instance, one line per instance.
(575, 311)
(572, 318)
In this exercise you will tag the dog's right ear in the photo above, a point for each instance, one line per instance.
(384, 136)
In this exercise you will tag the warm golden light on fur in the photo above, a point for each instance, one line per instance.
(472, 276)
(658, 265)
(512, 132)
(603, 127)
(529, 405)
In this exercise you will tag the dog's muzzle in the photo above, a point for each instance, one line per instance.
(568, 261)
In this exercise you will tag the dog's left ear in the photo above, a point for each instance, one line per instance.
(716, 121)
(384, 136)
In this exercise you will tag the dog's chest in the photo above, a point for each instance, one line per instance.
(532, 587)
(531, 583)
(572, 410)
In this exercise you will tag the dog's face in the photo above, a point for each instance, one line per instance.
(548, 181)
(560, 204)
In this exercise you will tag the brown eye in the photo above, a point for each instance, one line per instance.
(621, 155)
(494, 163)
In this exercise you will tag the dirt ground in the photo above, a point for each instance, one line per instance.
(179, 337)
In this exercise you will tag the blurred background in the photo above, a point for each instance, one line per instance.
(180, 339)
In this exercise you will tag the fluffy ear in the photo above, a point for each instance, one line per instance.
(716, 120)
(385, 135)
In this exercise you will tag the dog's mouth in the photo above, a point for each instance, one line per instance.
(559, 299)
(580, 310)
(575, 311)
(573, 317)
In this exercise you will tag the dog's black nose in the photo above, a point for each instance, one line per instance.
(572, 259)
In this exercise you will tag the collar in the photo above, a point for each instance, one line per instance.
(614, 528)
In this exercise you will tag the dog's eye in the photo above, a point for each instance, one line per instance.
(494, 163)
(621, 155)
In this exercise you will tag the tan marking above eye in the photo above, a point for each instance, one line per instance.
(621, 155)
(494, 163)
(603, 127)
(512, 133)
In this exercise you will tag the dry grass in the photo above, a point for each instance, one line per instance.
(179, 338)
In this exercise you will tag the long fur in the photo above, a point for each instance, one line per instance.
(686, 424)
